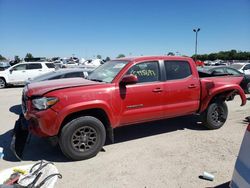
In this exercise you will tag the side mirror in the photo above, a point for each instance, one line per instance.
(11, 70)
(129, 79)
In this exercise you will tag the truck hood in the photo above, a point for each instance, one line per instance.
(40, 88)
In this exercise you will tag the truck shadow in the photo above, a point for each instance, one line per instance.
(38, 148)
(35, 149)
(137, 131)
(16, 109)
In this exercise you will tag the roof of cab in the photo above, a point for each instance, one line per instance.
(146, 58)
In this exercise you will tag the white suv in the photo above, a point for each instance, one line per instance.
(19, 73)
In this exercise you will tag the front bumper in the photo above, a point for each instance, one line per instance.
(42, 123)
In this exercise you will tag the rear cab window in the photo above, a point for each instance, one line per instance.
(176, 70)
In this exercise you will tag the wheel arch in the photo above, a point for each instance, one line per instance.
(218, 96)
(4, 80)
(94, 112)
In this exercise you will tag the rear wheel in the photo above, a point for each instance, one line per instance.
(215, 116)
(2, 83)
(82, 138)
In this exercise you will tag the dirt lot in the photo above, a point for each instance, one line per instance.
(169, 153)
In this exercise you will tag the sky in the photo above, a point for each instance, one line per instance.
(86, 28)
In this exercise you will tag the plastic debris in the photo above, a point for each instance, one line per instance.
(208, 176)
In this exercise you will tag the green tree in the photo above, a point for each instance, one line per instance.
(29, 55)
(120, 56)
(99, 57)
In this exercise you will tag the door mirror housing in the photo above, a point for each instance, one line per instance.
(129, 79)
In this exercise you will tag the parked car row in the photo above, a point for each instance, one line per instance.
(24, 73)
(230, 71)
(19, 73)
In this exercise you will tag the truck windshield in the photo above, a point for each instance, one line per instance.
(107, 72)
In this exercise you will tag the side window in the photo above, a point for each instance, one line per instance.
(50, 65)
(34, 66)
(177, 70)
(73, 75)
(218, 70)
(56, 77)
(146, 72)
(247, 67)
(19, 67)
(233, 72)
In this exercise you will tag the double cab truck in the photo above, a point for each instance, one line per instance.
(82, 113)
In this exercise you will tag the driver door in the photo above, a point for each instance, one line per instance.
(142, 101)
(18, 74)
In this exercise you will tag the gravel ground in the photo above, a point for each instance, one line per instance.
(169, 153)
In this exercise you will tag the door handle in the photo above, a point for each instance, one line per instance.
(192, 86)
(23, 71)
(156, 90)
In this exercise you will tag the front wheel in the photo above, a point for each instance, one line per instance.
(2, 83)
(82, 138)
(215, 116)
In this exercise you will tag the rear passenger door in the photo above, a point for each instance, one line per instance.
(33, 70)
(182, 89)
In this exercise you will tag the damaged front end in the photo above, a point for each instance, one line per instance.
(20, 136)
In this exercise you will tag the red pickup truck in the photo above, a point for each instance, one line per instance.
(82, 112)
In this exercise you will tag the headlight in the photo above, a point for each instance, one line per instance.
(44, 102)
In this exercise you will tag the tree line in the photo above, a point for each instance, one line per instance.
(223, 55)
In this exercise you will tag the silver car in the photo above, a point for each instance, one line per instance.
(241, 174)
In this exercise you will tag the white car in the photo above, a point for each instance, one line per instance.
(19, 73)
(242, 67)
(241, 174)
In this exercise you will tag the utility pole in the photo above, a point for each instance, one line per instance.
(196, 38)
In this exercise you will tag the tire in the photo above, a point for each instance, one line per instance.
(82, 138)
(215, 116)
(2, 83)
